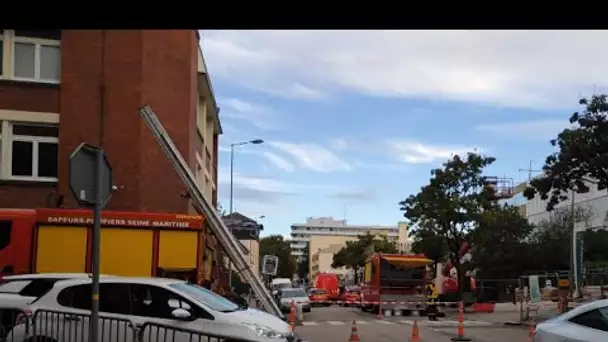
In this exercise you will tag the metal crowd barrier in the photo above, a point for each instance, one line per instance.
(61, 326)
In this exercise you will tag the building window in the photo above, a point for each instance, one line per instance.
(31, 151)
(35, 55)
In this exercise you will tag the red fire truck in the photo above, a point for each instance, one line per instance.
(394, 282)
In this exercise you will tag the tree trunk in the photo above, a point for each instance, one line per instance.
(460, 276)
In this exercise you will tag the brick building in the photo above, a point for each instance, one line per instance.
(51, 86)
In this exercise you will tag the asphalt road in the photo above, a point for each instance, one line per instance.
(332, 324)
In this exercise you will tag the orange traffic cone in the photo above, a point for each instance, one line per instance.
(415, 333)
(354, 333)
(292, 316)
(460, 337)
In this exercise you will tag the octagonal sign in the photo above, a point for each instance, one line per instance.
(82, 175)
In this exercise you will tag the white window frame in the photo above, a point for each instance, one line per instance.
(9, 39)
(7, 156)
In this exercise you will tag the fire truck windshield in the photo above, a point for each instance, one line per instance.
(394, 276)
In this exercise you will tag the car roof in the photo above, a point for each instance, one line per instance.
(121, 279)
(596, 304)
(33, 276)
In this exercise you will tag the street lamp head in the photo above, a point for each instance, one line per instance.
(257, 141)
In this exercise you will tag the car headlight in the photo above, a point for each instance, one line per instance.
(265, 331)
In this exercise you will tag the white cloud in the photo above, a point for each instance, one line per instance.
(255, 182)
(274, 159)
(535, 130)
(313, 157)
(278, 161)
(260, 116)
(418, 153)
(507, 68)
(338, 144)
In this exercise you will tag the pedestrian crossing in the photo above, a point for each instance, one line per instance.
(439, 323)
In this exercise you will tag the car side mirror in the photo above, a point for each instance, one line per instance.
(181, 314)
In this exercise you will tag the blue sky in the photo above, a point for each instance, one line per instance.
(353, 121)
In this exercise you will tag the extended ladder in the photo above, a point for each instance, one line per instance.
(218, 228)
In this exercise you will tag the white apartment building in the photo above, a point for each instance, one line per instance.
(328, 231)
(595, 200)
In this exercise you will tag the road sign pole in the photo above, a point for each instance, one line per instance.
(95, 245)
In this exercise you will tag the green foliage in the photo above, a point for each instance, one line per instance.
(452, 202)
(302, 268)
(582, 157)
(276, 245)
(429, 243)
(353, 255)
(500, 243)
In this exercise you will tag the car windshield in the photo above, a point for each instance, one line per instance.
(210, 299)
(282, 286)
(293, 293)
(318, 292)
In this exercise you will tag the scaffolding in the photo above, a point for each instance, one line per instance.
(502, 187)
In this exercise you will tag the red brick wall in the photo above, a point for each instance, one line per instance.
(156, 67)
(27, 97)
(170, 87)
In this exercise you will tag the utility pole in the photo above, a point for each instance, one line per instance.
(95, 258)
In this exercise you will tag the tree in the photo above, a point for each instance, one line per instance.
(499, 240)
(277, 246)
(582, 157)
(552, 238)
(451, 204)
(302, 268)
(353, 255)
(429, 243)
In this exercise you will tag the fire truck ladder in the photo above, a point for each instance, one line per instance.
(218, 228)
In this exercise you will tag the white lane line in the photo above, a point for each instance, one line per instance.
(335, 323)
(476, 323)
(311, 323)
(384, 322)
(362, 322)
(407, 322)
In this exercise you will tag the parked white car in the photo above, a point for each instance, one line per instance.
(18, 291)
(127, 301)
(586, 323)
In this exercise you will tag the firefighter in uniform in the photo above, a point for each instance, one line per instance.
(431, 298)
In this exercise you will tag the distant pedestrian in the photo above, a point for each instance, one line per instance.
(431, 297)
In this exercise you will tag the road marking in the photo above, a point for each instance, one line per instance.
(305, 323)
(477, 323)
(450, 323)
(384, 322)
(335, 323)
(362, 322)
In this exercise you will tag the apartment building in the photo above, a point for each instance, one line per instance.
(321, 260)
(595, 201)
(247, 231)
(59, 88)
(322, 232)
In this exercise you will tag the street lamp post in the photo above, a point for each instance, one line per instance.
(232, 146)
